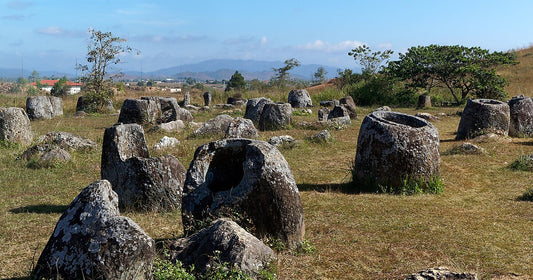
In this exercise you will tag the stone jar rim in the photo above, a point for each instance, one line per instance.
(396, 118)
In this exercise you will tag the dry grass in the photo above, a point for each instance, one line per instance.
(519, 76)
(476, 224)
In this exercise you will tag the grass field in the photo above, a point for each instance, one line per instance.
(477, 224)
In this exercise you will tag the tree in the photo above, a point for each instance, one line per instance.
(103, 51)
(236, 82)
(34, 77)
(60, 88)
(461, 70)
(282, 74)
(320, 75)
(371, 62)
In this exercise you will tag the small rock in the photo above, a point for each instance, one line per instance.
(322, 137)
(281, 140)
(427, 116)
(467, 149)
(166, 142)
(329, 103)
(441, 273)
(384, 108)
(241, 128)
(173, 126)
(217, 125)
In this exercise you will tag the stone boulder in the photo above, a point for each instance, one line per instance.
(300, 98)
(248, 181)
(283, 140)
(441, 273)
(427, 116)
(521, 116)
(275, 116)
(322, 137)
(141, 182)
(393, 146)
(329, 103)
(467, 149)
(217, 125)
(15, 126)
(67, 141)
(53, 157)
(241, 128)
(223, 241)
(183, 115)
(173, 126)
(349, 104)
(482, 116)
(254, 108)
(44, 107)
(169, 109)
(166, 142)
(338, 112)
(91, 239)
(384, 108)
(323, 114)
(235, 101)
(207, 98)
(84, 105)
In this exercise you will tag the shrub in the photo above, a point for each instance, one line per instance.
(408, 186)
(380, 90)
(166, 270)
(523, 163)
(527, 196)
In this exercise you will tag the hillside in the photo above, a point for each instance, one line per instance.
(520, 76)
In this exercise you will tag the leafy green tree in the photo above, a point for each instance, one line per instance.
(34, 77)
(320, 75)
(236, 82)
(103, 51)
(461, 70)
(281, 77)
(371, 62)
(60, 88)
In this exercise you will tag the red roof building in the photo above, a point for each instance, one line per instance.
(48, 84)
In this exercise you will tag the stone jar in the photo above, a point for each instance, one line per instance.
(394, 146)
(521, 113)
(483, 116)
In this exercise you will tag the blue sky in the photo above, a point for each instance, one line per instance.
(51, 35)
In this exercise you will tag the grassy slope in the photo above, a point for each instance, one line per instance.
(475, 225)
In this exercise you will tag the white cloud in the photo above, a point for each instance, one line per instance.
(50, 30)
(263, 40)
(328, 47)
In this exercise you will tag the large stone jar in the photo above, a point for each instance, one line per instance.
(248, 181)
(521, 112)
(482, 116)
(393, 147)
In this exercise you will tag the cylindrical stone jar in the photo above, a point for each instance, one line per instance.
(482, 116)
(521, 112)
(393, 147)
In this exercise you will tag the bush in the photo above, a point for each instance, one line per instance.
(166, 270)
(527, 196)
(375, 90)
(408, 186)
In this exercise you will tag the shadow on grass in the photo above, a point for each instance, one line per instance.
(17, 278)
(529, 143)
(342, 188)
(40, 209)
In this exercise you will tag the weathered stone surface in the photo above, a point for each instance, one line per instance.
(57, 106)
(83, 105)
(248, 181)
(184, 115)
(394, 146)
(52, 157)
(349, 104)
(427, 116)
(235, 101)
(441, 273)
(166, 142)
(254, 108)
(384, 108)
(241, 128)
(491, 137)
(68, 141)
(15, 126)
(521, 116)
(224, 106)
(173, 126)
(424, 101)
(40, 107)
(207, 98)
(467, 149)
(237, 247)
(140, 111)
(142, 183)
(169, 109)
(275, 116)
(339, 111)
(217, 125)
(323, 114)
(482, 116)
(322, 137)
(329, 103)
(186, 99)
(300, 98)
(281, 140)
(91, 239)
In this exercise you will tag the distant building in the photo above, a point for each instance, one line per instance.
(75, 88)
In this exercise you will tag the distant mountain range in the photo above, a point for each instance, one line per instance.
(215, 69)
